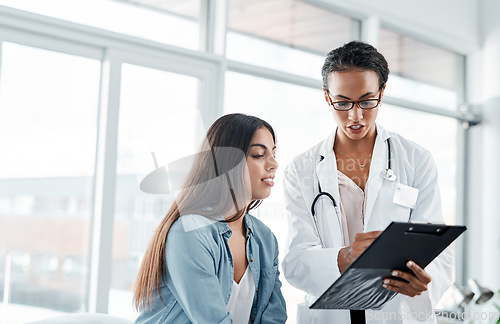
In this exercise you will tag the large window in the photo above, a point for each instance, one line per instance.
(159, 115)
(287, 35)
(48, 132)
(421, 72)
(160, 22)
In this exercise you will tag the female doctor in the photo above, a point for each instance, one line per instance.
(343, 192)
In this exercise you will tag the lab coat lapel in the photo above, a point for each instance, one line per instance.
(326, 171)
(327, 175)
(375, 179)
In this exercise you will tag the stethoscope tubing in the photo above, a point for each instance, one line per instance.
(388, 174)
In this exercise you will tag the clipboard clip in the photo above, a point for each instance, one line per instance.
(421, 230)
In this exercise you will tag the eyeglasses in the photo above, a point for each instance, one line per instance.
(363, 104)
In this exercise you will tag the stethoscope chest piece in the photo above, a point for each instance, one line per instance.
(389, 175)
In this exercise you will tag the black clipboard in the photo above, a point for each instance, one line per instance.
(360, 286)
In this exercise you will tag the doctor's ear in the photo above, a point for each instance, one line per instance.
(327, 97)
(382, 89)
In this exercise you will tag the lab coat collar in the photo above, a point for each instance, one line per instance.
(382, 133)
(326, 148)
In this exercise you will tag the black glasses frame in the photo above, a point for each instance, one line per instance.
(356, 102)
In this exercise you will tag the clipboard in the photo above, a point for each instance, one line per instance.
(360, 286)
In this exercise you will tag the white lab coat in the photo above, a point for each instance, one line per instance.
(312, 268)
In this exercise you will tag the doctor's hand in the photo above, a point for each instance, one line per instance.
(415, 283)
(350, 253)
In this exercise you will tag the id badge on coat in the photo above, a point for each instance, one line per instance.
(405, 195)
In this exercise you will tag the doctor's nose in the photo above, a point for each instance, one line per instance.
(356, 113)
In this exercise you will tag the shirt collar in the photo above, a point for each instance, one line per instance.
(249, 224)
(223, 227)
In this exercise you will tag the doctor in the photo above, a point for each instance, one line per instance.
(344, 191)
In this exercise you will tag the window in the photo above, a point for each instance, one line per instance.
(158, 114)
(291, 35)
(420, 71)
(160, 22)
(48, 132)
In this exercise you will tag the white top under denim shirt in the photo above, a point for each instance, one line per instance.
(200, 274)
(241, 300)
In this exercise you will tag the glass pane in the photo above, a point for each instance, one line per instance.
(150, 19)
(158, 113)
(421, 92)
(300, 118)
(48, 132)
(287, 35)
(421, 71)
(439, 137)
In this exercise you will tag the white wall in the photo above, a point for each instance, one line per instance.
(484, 194)
(489, 236)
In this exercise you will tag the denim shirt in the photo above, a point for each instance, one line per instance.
(200, 271)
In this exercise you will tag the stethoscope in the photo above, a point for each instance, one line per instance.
(388, 174)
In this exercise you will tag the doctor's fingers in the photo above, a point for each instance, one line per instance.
(402, 288)
(414, 282)
(419, 272)
(367, 236)
(411, 288)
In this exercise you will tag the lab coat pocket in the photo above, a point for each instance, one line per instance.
(305, 315)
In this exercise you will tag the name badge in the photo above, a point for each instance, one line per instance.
(405, 195)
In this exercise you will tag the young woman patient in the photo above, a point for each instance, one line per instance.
(209, 261)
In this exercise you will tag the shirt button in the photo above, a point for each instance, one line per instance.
(252, 319)
(256, 289)
(251, 259)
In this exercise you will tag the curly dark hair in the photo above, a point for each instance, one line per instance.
(355, 55)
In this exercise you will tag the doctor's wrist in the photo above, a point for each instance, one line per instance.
(345, 258)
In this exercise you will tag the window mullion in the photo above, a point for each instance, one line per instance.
(104, 190)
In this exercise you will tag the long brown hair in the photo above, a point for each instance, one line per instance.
(214, 187)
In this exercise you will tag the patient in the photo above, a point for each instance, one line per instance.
(209, 261)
